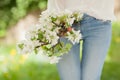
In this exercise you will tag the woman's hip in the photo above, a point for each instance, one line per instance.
(91, 26)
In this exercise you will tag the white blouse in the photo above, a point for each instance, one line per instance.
(101, 9)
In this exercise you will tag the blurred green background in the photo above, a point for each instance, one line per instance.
(15, 17)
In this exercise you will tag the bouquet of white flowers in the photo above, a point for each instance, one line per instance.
(45, 36)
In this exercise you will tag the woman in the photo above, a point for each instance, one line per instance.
(96, 33)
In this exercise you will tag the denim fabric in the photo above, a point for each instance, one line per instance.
(96, 37)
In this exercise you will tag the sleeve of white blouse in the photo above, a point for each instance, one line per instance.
(55, 4)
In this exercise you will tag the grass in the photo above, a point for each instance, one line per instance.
(114, 51)
(20, 67)
(111, 71)
(31, 71)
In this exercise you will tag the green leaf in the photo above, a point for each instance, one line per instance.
(40, 35)
(36, 51)
(33, 38)
(48, 46)
(64, 50)
(21, 46)
(53, 19)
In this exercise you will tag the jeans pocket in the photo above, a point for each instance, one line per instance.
(87, 19)
(102, 22)
(91, 19)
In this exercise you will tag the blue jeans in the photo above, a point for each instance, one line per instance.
(96, 36)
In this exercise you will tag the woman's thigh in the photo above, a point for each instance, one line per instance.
(96, 42)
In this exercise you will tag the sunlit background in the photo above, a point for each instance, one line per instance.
(15, 17)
